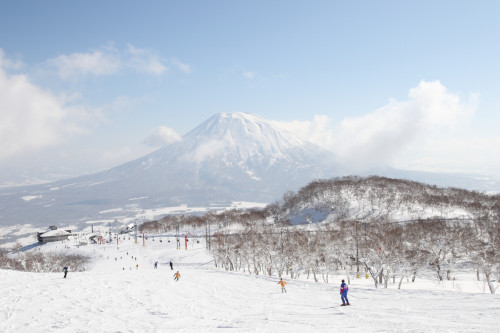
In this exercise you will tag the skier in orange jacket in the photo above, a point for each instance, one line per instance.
(282, 284)
(177, 275)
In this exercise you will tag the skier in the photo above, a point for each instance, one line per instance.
(156, 264)
(343, 293)
(177, 276)
(171, 265)
(282, 284)
(65, 269)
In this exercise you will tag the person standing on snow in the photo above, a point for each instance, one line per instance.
(171, 265)
(282, 284)
(65, 269)
(343, 293)
(156, 264)
(177, 276)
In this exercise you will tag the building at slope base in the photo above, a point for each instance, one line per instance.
(53, 235)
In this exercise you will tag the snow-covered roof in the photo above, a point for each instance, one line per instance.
(53, 233)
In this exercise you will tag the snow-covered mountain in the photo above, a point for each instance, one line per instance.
(229, 157)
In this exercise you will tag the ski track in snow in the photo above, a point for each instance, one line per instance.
(106, 298)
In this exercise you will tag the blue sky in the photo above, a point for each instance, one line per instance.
(91, 84)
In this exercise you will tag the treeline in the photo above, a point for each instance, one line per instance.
(242, 218)
(384, 250)
(42, 262)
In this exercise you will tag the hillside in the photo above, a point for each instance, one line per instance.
(371, 198)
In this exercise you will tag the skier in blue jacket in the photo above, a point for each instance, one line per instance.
(343, 293)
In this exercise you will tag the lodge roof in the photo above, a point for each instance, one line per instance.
(55, 233)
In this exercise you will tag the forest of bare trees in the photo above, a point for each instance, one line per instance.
(389, 229)
(42, 262)
(382, 249)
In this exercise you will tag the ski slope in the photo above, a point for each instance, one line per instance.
(115, 296)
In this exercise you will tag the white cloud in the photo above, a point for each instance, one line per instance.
(318, 131)
(379, 136)
(76, 65)
(185, 68)
(248, 75)
(108, 61)
(416, 134)
(436, 106)
(145, 61)
(31, 118)
(206, 150)
(162, 135)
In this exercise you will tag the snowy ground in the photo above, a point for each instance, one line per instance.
(107, 298)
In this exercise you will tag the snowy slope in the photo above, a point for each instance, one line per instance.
(106, 298)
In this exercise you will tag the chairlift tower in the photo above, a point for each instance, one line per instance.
(178, 242)
(109, 227)
(135, 227)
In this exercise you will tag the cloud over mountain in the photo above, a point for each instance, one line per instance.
(162, 135)
(380, 136)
